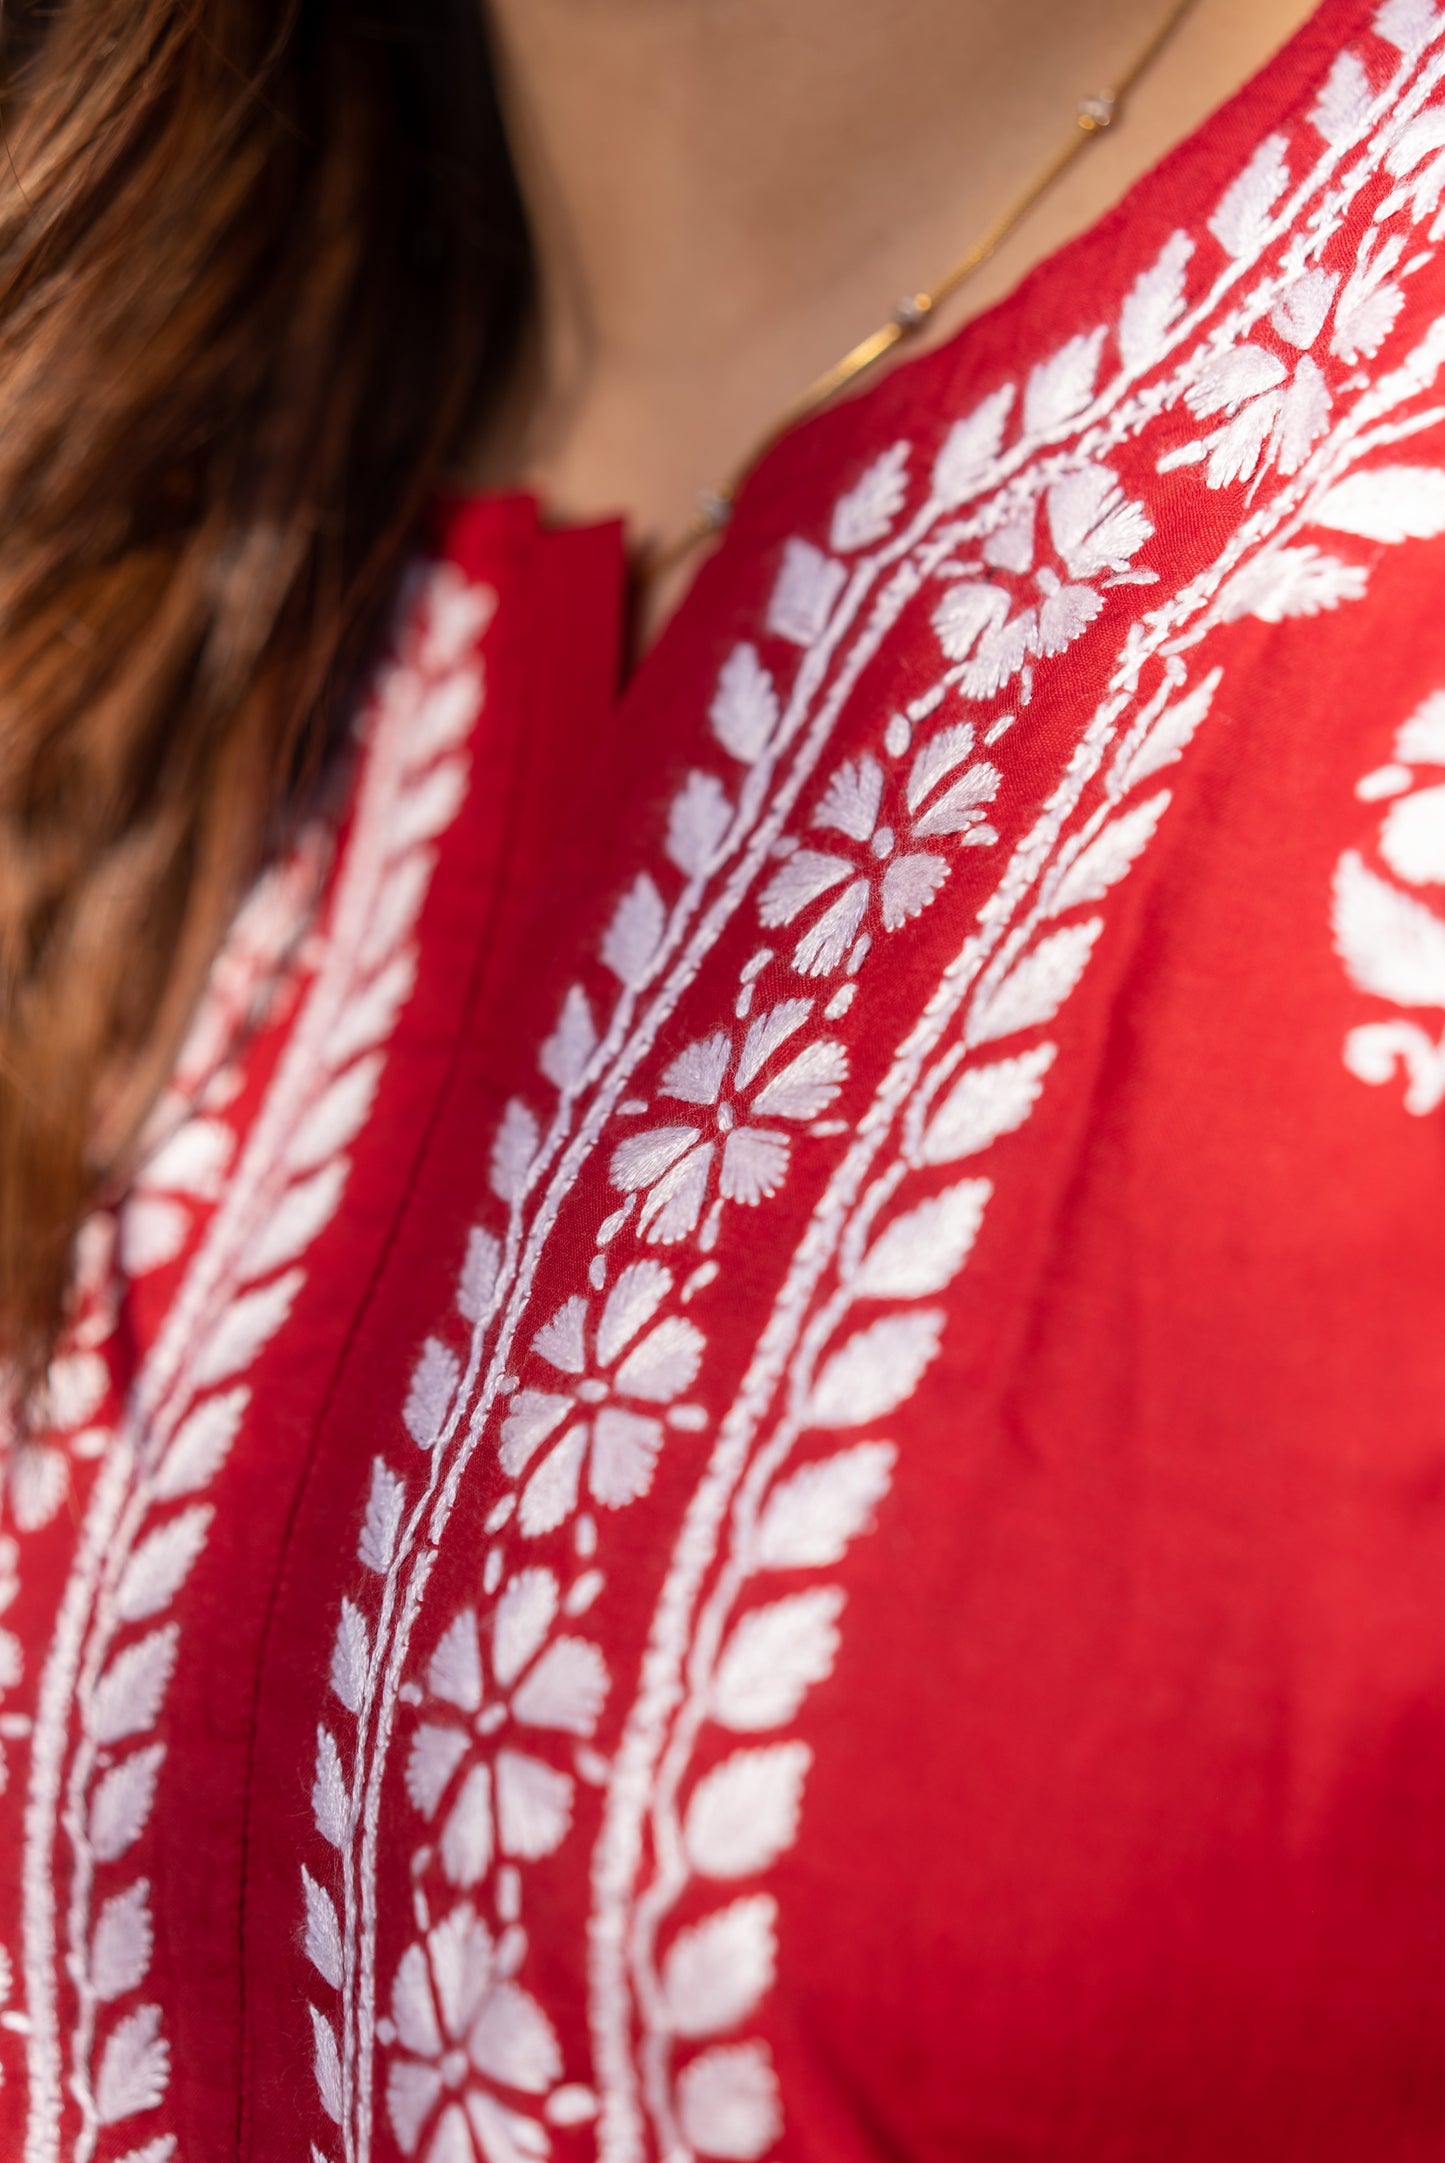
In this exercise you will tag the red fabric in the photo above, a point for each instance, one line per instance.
(762, 1474)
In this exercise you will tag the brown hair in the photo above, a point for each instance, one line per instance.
(259, 261)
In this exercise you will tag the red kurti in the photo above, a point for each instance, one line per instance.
(760, 1469)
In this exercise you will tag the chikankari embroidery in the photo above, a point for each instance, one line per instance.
(663, 1124)
(99, 1743)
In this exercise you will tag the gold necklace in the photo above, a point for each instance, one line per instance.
(1094, 117)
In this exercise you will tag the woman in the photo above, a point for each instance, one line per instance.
(743, 1457)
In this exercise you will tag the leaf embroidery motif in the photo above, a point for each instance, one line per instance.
(921, 1252)
(986, 1102)
(1392, 945)
(774, 1657)
(716, 1971)
(744, 1813)
(980, 1102)
(1386, 503)
(866, 514)
(728, 2102)
(744, 712)
(813, 1517)
(809, 584)
(1037, 986)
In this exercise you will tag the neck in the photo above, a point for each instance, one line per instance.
(725, 194)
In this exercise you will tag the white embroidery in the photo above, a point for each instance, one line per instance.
(614, 1405)
(748, 1092)
(860, 1379)
(866, 514)
(114, 1652)
(1274, 414)
(851, 1336)
(455, 2012)
(1387, 503)
(808, 586)
(538, 1687)
(1391, 939)
(890, 878)
(1093, 529)
(1370, 303)
(61, 1428)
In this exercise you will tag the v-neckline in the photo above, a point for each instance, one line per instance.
(1174, 192)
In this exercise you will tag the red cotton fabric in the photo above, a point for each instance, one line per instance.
(759, 1469)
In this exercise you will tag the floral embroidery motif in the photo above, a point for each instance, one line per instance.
(541, 1685)
(673, 1167)
(98, 1749)
(893, 876)
(191, 1146)
(464, 2031)
(799, 1463)
(616, 1404)
(1094, 529)
(1390, 925)
(1271, 412)
(493, 1716)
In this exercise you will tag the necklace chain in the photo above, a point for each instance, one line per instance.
(1094, 117)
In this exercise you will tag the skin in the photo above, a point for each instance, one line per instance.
(726, 194)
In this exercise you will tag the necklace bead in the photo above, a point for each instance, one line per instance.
(912, 311)
(714, 509)
(1096, 114)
